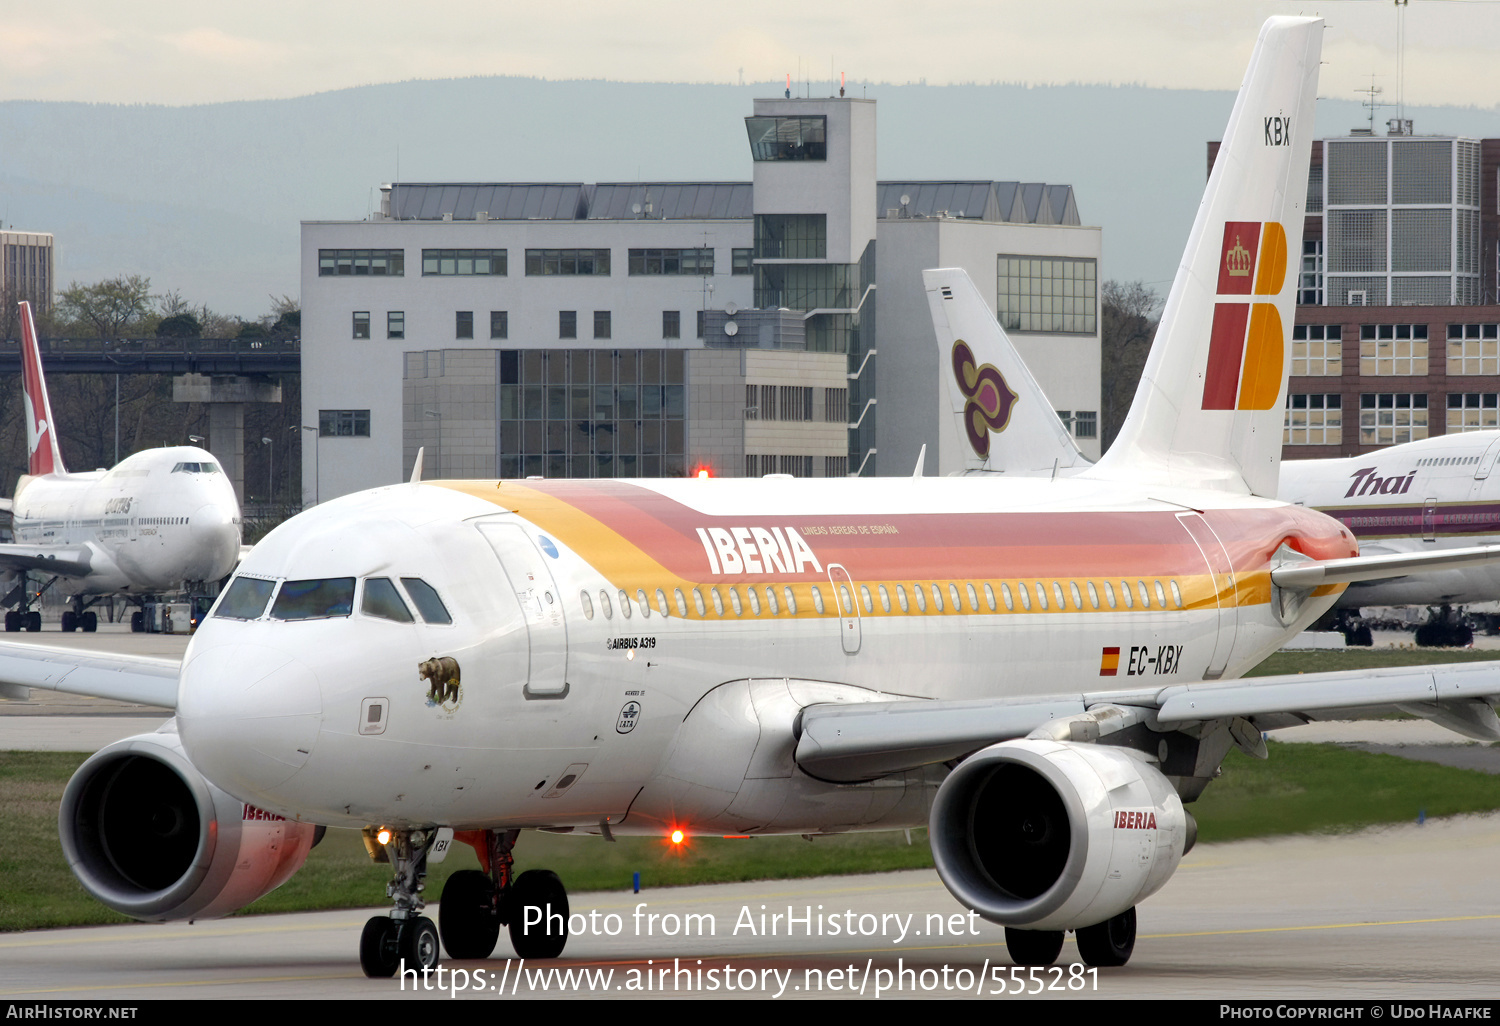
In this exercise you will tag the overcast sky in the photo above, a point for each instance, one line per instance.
(188, 51)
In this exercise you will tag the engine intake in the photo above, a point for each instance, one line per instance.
(1056, 835)
(148, 836)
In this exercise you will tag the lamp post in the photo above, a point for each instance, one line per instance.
(270, 470)
(317, 465)
(439, 415)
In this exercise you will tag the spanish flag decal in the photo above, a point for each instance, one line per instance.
(1246, 349)
(1109, 662)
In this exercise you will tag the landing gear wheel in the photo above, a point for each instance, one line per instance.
(418, 945)
(378, 954)
(12, 621)
(1033, 947)
(137, 622)
(1461, 636)
(467, 917)
(69, 621)
(34, 621)
(1361, 637)
(89, 622)
(1109, 942)
(539, 888)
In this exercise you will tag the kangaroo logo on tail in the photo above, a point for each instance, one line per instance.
(41, 439)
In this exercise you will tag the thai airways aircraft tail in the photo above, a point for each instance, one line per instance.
(41, 435)
(1004, 421)
(1208, 411)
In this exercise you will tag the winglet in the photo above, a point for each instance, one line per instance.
(41, 433)
(416, 467)
(921, 461)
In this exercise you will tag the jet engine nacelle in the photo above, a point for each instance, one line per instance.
(1054, 835)
(148, 836)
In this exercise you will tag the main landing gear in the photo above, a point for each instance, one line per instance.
(1445, 628)
(81, 617)
(476, 904)
(1109, 943)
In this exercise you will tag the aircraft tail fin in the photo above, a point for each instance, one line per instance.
(1003, 419)
(41, 433)
(416, 467)
(1209, 408)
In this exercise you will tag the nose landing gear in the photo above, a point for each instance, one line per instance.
(405, 936)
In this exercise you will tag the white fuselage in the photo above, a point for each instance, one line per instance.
(583, 648)
(1437, 493)
(144, 527)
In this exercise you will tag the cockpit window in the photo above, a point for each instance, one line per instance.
(196, 468)
(246, 599)
(380, 598)
(428, 604)
(311, 600)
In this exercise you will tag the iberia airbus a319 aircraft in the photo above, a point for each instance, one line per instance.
(1043, 671)
(160, 519)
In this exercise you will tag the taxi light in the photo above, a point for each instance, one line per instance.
(676, 836)
(703, 473)
(384, 836)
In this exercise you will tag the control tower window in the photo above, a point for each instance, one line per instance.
(783, 138)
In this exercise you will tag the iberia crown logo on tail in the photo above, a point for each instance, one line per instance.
(1246, 350)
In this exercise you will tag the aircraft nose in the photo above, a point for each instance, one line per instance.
(215, 531)
(248, 717)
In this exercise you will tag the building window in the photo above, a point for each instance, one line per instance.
(1472, 411)
(593, 413)
(463, 261)
(797, 466)
(567, 324)
(791, 236)
(361, 324)
(377, 262)
(700, 323)
(1313, 419)
(344, 423)
(1047, 294)
(1085, 424)
(1473, 349)
(671, 324)
(463, 324)
(1387, 418)
(601, 324)
(1393, 349)
(796, 404)
(740, 261)
(835, 406)
(567, 261)
(395, 324)
(1317, 350)
(1310, 284)
(499, 324)
(835, 466)
(672, 261)
(788, 138)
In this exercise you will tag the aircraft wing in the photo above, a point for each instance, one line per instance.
(124, 678)
(67, 560)
(1381, 566)
(847, 743)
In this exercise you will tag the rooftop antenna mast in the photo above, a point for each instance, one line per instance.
(1370, 103)
(1401, 59)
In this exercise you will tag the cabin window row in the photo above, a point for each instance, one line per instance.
(1041, 596)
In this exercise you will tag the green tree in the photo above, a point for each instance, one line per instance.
(108, 308)
(1128, 318)
(179, 325)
